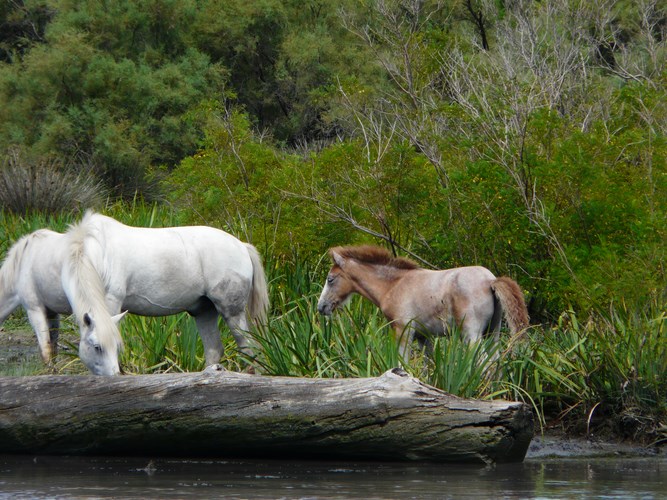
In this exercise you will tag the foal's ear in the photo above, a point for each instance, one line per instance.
(338, 259)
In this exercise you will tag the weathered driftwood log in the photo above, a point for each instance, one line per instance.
(221, 413)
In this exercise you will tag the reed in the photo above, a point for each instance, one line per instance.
(300, 343)
(158, 345)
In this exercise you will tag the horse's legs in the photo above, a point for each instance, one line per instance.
(231, 299)
(8, 304)
(42, 328)
(478, 322)
(207, 325)
(472, 329)
(54, 331)
(238, 325)
(425, 342)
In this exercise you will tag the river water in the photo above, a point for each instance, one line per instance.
(109, 477)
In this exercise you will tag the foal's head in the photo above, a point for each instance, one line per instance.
(340, 285)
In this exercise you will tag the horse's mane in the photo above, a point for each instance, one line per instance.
(89, 280)
(370, 254)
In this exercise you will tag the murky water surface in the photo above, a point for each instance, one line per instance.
(104, 477)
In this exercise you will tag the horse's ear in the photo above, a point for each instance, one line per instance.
(87, 320)
(117, 317)
(338, 259)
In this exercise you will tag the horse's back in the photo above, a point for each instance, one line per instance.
(469, 278)
(454, 280)
(39, 269)
(154, 271)
(188, 246)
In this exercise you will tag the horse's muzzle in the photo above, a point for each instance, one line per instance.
(324, 309)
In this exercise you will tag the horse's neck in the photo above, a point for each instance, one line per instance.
(374, 281)
(84, 282)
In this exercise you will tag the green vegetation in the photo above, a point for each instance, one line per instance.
(607, 373)
(528, 137)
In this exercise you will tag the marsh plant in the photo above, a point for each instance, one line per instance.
(46, 185)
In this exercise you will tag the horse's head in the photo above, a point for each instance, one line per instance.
(99, 349)
(337, 288)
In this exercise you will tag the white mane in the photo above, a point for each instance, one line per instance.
(87, 280)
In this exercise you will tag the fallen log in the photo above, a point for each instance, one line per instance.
(220, 413)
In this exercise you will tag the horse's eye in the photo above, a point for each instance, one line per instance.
(98, 348)
(330, 279)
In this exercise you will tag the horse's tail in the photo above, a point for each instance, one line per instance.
(11, 265)
(83, 284)
(511, 299)
(258, 305)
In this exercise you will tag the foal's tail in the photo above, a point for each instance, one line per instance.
(510, 296)
(258, 305)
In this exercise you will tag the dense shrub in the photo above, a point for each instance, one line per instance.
(46, 185)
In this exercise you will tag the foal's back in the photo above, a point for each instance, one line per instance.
(437, 300)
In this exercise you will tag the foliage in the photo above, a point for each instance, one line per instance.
(528, 137)
(22, 23)
(113, 84)
(607, 372)
(110, 88)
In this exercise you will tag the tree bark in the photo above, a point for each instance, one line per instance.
(220, 413)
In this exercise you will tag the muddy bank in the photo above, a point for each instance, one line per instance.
(17, 347)
(560, 446)
(19, 352)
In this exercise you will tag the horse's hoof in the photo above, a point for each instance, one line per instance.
(217, 367)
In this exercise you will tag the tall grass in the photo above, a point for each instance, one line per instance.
(610, 371)
(165, 344)
(299, 343)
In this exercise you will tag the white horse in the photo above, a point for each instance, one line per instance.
(204, 271)
(30, 277)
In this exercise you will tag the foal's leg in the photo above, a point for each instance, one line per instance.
(475, 325)
(207, 325)
(404, 336)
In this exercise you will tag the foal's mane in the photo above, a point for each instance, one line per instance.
(369, 254)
